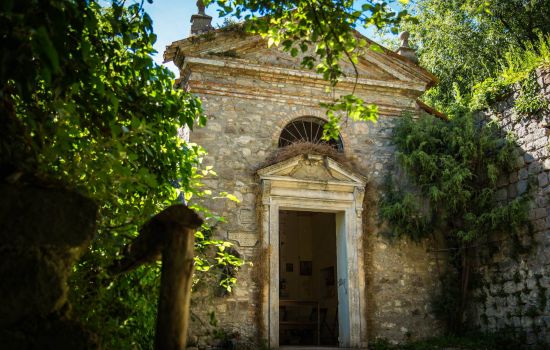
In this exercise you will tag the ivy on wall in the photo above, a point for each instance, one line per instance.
(453, 167)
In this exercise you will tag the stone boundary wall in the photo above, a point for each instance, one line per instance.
(514, 289)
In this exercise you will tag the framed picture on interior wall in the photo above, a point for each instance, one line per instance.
(306, 268)
(289, 267)
(327, 275)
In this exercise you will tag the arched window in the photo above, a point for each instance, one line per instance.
(307, 129)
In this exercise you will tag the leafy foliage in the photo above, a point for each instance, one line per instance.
(121, 311)
(223, 258)
(482, 51)
(454, 166)
(517, 71)
(509, 340)
(463, 42)
(106, 120)
(83, 104)
(488, 92)
(530, 101)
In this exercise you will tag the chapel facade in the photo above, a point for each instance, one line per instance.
(322, 273)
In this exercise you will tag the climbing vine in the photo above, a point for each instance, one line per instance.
(453, 167)
(518, 72)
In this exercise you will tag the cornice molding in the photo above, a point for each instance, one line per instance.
(199, 63)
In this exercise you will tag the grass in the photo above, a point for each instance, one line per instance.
(474, 341)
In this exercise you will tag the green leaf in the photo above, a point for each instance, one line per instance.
(376, 48)
(43, 44)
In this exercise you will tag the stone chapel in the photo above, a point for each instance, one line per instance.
(321, 275)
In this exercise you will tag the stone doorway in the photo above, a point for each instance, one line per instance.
(315, 183)
(308, 294)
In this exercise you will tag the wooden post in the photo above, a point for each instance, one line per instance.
(172, 234)
(175, 291)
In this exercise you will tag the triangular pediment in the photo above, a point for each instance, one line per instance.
(312, 168)
(383, 64)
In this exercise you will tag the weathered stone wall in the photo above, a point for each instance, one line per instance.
(43, 231)
(242, 132)
(515, 282)
(401, 275)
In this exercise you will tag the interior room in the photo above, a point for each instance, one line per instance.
(308, 300)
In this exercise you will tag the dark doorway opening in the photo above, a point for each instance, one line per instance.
(308, 300)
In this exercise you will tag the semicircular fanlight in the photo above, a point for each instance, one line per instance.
(308, 129)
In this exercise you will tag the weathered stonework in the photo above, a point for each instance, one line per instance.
(249, 98)
(515, 282)
(44, 230)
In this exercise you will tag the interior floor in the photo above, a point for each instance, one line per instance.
(308, 300)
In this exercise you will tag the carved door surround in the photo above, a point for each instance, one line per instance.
(316, 183)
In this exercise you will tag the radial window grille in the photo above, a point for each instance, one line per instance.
(307, 129)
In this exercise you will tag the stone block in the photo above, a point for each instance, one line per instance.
(501, 194)
(244, 239)
(540, 238)
(247, 215)
(523, 174)
(29, 290)
(501, 181)
(531, 283)
(542, 200)
(543, 179)
(531, 338)
(541, 142)
(526, 322)
(501, 322)
(535, 168)
(522, 186)
(519, 163)
(60, 218)
(539, 225)
(540, 213)
(509, 287)
(512, 191)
